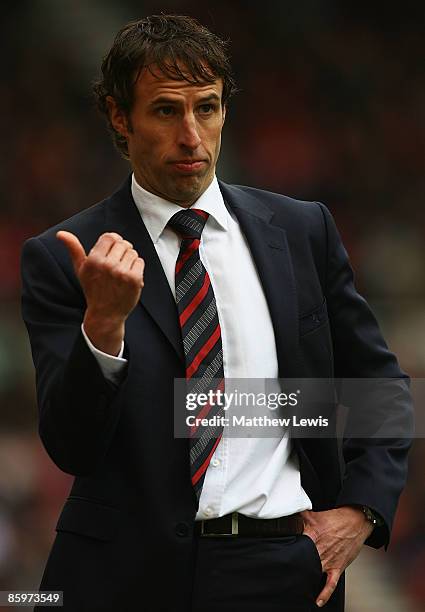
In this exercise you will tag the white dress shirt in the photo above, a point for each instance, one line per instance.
(258, 477)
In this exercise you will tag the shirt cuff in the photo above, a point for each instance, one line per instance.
(112, 367)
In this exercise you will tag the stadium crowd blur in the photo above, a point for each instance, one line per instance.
(331, 108)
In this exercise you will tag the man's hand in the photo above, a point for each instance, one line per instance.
(111, 276)
(339, 535)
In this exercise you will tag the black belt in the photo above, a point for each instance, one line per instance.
(236, 524)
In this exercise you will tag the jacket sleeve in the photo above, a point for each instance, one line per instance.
(79, 408)
(375, 466)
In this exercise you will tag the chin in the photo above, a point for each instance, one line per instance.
(190, 186)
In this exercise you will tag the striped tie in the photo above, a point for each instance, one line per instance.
(201, 338)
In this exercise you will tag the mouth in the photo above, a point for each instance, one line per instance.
(188, 166)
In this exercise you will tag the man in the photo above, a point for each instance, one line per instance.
(178, 275)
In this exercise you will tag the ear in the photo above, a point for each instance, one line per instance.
(118, 117)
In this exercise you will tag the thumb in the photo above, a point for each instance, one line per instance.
(75, 248)
(330, 586)
(309, 528)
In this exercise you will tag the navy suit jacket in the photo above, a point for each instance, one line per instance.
(130, 514)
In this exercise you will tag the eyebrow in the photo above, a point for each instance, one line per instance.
(167, 100)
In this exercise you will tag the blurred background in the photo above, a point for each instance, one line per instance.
(331, 108)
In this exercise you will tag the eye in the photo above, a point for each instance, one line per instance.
(165, 111)
(207, 109)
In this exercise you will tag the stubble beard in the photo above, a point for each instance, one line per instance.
(189, 189)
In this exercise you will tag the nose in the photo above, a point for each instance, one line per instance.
(188, 134)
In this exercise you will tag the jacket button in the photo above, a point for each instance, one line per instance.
(182, 530)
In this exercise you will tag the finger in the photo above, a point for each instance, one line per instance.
(104, 244)
(117, 251)
(74, 246)
(113, 235)
(308, 517)
(330, 586)
(310, 532)
(128, 259)
(138, 268)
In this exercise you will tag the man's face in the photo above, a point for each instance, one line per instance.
(173, 136)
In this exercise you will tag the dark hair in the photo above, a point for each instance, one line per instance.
(170, 42)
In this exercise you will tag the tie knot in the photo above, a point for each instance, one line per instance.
(189, 223)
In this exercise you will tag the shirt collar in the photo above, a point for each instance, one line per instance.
(156, 212)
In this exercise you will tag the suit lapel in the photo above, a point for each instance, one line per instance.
(157, 298)
(270, 250)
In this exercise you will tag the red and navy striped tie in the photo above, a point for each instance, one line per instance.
(201, 336)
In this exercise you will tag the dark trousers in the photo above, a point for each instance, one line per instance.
(247, 574)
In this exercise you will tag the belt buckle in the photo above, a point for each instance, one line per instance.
(235, 528)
